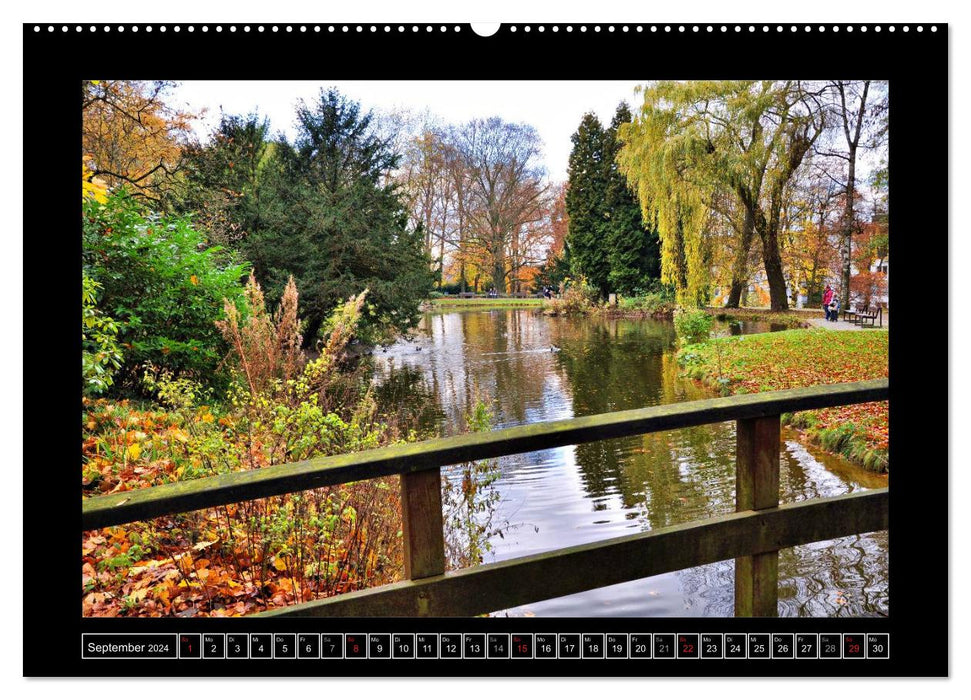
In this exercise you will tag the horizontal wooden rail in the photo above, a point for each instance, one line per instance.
(179, 497)
(491, 587)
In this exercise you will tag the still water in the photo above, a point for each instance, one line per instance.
(533, 368)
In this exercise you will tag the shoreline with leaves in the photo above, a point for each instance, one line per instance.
(801, 358)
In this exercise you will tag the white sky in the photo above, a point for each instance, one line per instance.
(554, 108)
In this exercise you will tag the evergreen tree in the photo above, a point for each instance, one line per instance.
(224, 178)
(633, 250)
(608, 242)
(330, 219)
(585, 199)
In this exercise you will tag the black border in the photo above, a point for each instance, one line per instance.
(916, 65)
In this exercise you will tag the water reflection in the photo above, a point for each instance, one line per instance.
(579, 494)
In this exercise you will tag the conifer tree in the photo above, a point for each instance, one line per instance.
(632, 254)
(585, 198)
(330, 218)
(608, 242)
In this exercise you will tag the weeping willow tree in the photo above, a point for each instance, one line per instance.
(695, 142)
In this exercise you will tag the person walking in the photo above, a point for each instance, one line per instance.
(827, 300)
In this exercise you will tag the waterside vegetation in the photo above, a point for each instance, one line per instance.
(801, 358)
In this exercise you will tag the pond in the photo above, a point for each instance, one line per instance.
(533, 368)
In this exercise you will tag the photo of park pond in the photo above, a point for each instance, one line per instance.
(579, 494)
(459, 348)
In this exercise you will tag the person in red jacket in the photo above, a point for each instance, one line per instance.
(827, 299)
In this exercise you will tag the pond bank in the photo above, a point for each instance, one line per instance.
(479, 303)
(805, 357)
(789, 319)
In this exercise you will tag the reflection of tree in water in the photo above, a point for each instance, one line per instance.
(670, 477)
(610, 366)
(405, 398)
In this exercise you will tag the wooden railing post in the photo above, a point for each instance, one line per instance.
(422, 527)
(756, 488)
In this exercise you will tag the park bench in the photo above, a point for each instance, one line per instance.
(864, 315)
(871, 316)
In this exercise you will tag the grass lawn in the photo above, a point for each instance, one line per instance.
(805, 357)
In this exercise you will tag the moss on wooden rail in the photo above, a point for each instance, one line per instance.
(491, 587)
(115, 509)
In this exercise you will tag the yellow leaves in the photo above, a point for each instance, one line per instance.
(194, 280)
(134, 450)
(128, 129)
(92, 187)
(279, 564)
(138, 595)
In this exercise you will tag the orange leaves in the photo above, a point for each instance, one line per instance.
(801, 358)
(130, 135)
(225, 561)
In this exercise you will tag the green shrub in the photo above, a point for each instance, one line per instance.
(100, 354)
(692, 325)
(162, 283)
(652, 302)
(578, 298)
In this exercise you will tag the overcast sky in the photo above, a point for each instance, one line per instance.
(554, 108)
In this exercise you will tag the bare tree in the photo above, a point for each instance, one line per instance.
(507, 194)
(858, 107)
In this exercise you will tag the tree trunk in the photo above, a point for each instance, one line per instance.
(778, 299)
(740, 265)
(499, 277)
(735, 293)
(441, 261)
(847, 233)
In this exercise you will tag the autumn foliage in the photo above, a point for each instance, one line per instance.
(803, 358)
(132, 137)
(252, 555)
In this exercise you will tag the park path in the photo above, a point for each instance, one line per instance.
(821, 322)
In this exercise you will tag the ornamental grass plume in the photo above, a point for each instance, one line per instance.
(264, 347)
(289, 339)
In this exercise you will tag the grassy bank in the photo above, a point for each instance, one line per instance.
(450, 303)
(805, 357)
(794, 318)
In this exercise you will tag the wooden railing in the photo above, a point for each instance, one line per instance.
(752, 535)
